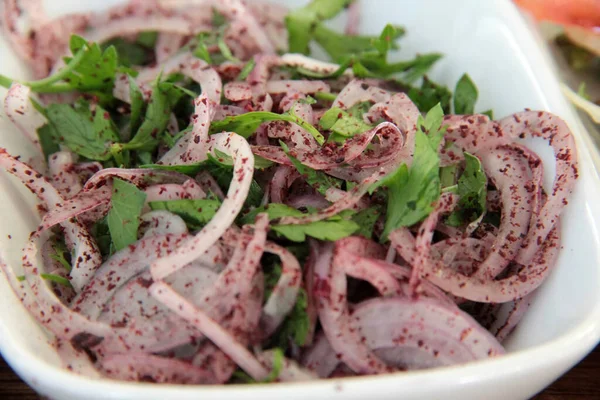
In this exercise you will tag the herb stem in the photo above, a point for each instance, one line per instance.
(56, 279)
(5, 82)
(325, 96)
(74, 62)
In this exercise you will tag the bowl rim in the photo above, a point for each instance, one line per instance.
(567, 348)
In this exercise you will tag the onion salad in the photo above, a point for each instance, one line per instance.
(218, 207)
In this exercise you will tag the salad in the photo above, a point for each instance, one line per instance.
(218, 207)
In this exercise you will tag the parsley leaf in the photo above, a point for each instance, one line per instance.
(340, 46)
(366, 220)
(196, 213)
(430, 94)
(61, 254)
(343, 123)
(465, 96)
(448, 176)
(246, 124)
(165, 96)
(302, 22)
(47, 142)
(101, 233)
(413, 192)
(82, 130)
(61, 280)
(332, 229)
(138, 105)
(147, 39)
(489, 113)
(248, 67)
(131, 53)
(472, 189)
(124, 215)
(278, 362)
(296, 324)
(222, 170)
(193, 169)
(368, 56)
(89, 70)
(96, 72)
(317, 179)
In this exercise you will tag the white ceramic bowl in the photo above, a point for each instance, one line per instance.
(491, 41)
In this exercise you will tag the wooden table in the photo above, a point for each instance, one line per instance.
(582, 382)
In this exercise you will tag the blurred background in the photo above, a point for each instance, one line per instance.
(572, 30)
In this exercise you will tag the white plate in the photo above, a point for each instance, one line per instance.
(488, 39)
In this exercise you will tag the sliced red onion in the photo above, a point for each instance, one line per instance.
(428, 332)
(86, 255)
(354, 255)
(243, 167)
(345, 203)
(121, 90)
(311, 64)
(210, 357)
(193, 146)
(321, 358)
(150, 326)
(96, 193)
(504, 168)
(237, 91)
(82, 203)
(333, 156)
(330, 290)
(314, 200)
(284, 294)
(282, 179)
(357, 91)
(423, 240)
(121, 267)
(426, 289)
(258, 79)
(472, 133)
(242, 268)
(74, 360)
(487, 291)
(20, 111)
(452, 249)
(210, 185)
(21, 43)
(167, 45)
(402, 112)
(550, 127)
(511, 315)
(143, 367)
(52, 313)
(173, 191)
(160, 223)
(237, 10)
(302, 86)
(197, 69)
(217, 334)
(51, 40)
(309, 286)
(64, 177)
(135, 24)
(140, 177)
(271, 16)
